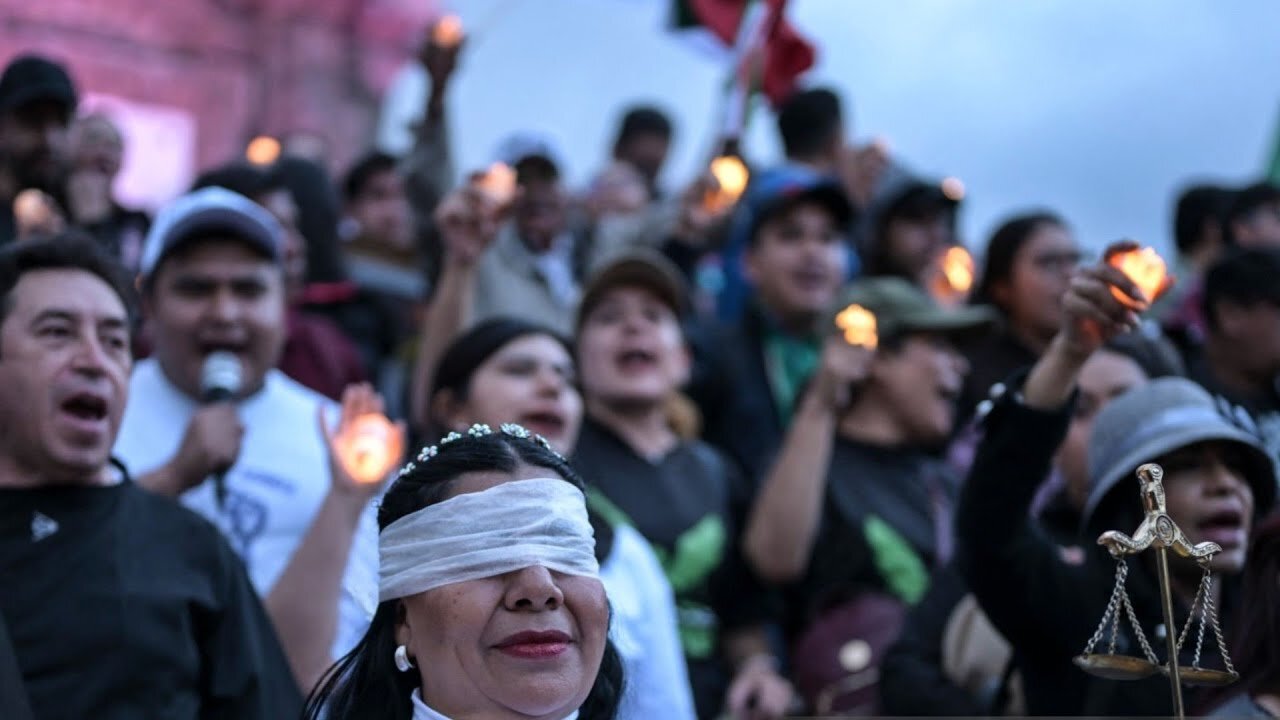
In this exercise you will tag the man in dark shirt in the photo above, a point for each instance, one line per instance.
(856, 504)
(682, 495)
(13, 695)
(1240, 357)
(37, 101)
(121, 604)
(747, 376)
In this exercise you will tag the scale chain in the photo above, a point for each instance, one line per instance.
(1205, 588)
(1217, 632)
(1112, 613)
(1137, 629)
(1196, 605)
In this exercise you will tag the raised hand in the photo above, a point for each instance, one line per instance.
(439, 50)
(841, 367)
(1094, 314)
(468, 221)
(365, 447)
(862, 168)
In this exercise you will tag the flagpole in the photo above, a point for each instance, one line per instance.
(743, 74)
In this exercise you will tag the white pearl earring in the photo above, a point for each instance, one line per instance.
(403, 663)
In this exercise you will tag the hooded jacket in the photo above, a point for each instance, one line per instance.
(1045, 606)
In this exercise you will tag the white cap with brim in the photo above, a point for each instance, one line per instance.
(208, 211)
(1162, 416)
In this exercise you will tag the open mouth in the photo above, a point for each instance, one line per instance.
(949, 394)
(86, 406)
(636, 360)
(209, 347)
(1225, 527)
(809, 279)
(546, 424)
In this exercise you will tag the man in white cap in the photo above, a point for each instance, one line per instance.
(241, 446)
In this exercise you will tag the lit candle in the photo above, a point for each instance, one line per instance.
(31, 208)
(731, 175)
(858, 325)
(1146, 269)
(367, 448)
(498, 183)
(957, 268)
(447, 33)
(262, 150)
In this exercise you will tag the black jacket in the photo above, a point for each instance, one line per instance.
(913, 678)
(731, 387)
(1046, 607)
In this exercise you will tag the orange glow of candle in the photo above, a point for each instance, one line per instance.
(31, 208)
(957, 269)
(498, 183)
(368, 448)
(262, 150)
(732, 176)
(858, 325)
(447, 32)
(1146, 269)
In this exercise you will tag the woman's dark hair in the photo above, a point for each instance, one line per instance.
(1003, 249)
(248, 180)
(472, 349)
(1151, 350)
(1255, 632)
(319, 213)
(365, 684)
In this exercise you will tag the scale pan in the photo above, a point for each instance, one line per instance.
(1115, 667)
(1203, 677)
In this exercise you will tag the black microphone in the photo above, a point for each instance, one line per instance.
(220, 379)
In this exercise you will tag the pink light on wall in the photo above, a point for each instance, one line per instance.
(159, 149)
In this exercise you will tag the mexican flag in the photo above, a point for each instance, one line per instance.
(769, 54)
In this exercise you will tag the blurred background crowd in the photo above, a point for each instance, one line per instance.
(676, 310)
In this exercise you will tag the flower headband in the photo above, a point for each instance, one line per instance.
(478, 430)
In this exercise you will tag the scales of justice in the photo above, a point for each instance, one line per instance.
(1158, 532)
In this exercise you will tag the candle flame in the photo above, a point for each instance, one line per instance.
(498, 183)
(1146, 269)
(262, 150)
(957, 268)
(31, 207)
(367, 448)
(858, 325)
(447, 32)
(732, 176)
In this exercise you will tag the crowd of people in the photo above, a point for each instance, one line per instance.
(705, 452)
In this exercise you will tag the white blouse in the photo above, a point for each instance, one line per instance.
(422, 712)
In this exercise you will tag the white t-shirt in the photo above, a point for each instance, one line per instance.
(273, 491)
(644, 630)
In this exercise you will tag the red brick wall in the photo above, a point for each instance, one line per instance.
(241, 67)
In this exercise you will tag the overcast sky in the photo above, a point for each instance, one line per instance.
(1096, 109)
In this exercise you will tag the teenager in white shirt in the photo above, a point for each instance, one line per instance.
(213, 281)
